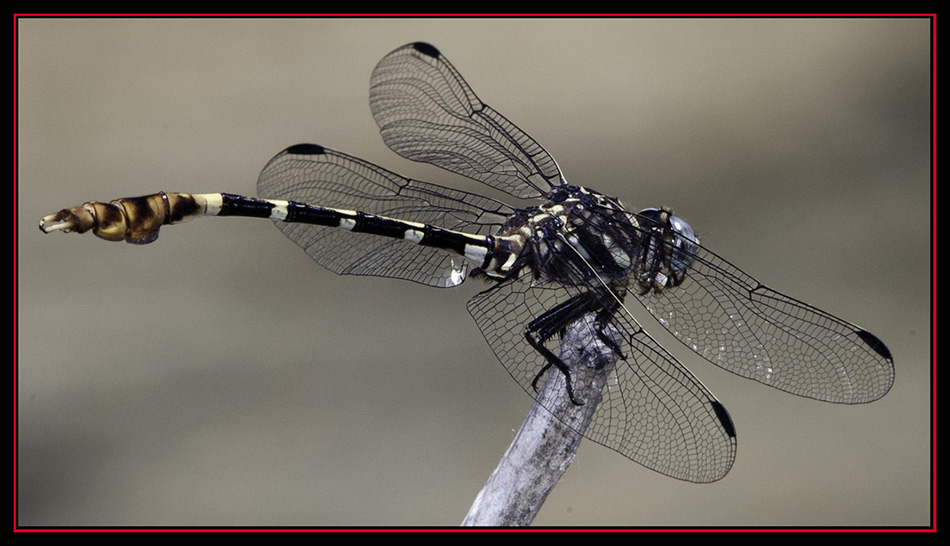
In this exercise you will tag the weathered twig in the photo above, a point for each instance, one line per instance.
(547, 442)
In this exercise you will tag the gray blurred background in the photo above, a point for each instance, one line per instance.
(220, 377)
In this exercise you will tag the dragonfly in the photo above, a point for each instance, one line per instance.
(573, 260)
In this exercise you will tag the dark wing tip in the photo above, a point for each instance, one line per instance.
(875, 343)
(306, 149)
(426, 49)
(724, 419)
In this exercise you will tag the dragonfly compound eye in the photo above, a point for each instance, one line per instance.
(684, 244)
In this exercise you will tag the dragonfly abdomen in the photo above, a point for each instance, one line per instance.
(132, 219)
(138, 220)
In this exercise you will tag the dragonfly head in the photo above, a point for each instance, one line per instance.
(668, 247)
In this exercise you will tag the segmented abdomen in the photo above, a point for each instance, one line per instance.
(133, 219)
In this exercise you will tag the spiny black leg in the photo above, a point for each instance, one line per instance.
(538, 344)
(602, 320)
(545, 368)
(554, 321)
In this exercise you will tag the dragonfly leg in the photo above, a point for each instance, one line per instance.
(556, 320)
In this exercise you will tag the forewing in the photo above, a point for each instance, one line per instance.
(427, 112)
(740, 325)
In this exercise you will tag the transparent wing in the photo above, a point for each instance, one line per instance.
(653, 411)
(313, 174)
(427, 112)
(742, 326)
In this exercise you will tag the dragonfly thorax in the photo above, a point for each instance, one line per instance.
(575, 237)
